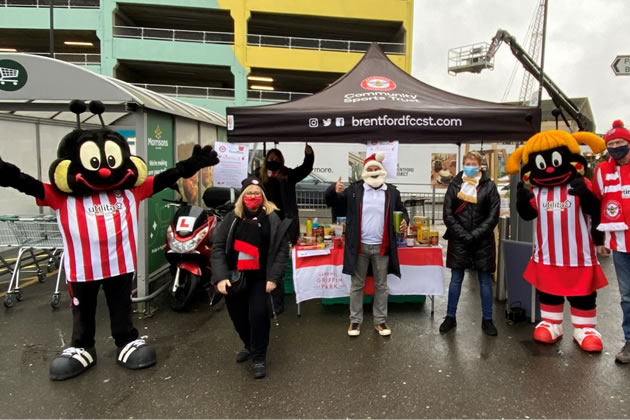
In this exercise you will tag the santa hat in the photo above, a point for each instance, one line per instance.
(617, 132)
(375, 159)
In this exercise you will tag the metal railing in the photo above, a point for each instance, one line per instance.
(321, 44)
(432, 201)
(74, 58)
(188, 91)
(67, 4)
(274, 95)
(163, 34)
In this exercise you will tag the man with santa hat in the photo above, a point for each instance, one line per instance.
(611, 184)
(370, 239)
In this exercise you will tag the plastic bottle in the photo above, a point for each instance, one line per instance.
(315, 223)
(309, 227)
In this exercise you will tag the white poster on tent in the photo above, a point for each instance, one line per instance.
(390, 149)
(232, 166)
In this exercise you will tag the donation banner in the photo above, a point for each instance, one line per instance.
(232, 168)
(320, 276)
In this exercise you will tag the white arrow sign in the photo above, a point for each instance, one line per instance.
(621, 65)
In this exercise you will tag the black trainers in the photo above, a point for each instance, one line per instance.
(242, 356)
(449, 323)
(259, 369)
(624, 355)
(488, 327)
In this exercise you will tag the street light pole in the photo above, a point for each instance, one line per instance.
(51, 33)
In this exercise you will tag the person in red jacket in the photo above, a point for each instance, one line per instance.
(611, 184)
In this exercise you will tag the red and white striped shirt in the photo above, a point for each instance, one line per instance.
(618, 240)
(100, 231)
(562, 236)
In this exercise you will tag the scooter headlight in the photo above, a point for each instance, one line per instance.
(189, 244)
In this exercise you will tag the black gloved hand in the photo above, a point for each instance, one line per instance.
(523, 194)
(9, 174)
(578, 187)
(201, 158)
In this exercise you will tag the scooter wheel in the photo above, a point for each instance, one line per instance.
(181, 299)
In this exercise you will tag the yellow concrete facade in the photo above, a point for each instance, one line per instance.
(314, 60)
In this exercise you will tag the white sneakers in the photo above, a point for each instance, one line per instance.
(383, 329)
(354, 329)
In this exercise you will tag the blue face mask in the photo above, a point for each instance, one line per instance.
(471, 171)
(618, 153)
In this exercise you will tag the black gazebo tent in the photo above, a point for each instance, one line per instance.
(376, 100)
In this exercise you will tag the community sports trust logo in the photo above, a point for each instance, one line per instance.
(378, 83)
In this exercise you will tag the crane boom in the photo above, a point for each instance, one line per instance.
(558, 97)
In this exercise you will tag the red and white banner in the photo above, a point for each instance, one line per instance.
(320, 276)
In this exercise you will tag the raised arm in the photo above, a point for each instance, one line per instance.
(12, 176)
(299, 173)
(201, 158)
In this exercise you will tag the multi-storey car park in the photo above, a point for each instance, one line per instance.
(213, 53)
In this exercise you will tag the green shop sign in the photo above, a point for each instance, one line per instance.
(160, 156)
(12, 75)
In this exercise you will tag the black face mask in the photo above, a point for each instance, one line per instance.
(618, 153)
(273, 165)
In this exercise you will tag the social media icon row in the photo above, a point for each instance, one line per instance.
(326, 122)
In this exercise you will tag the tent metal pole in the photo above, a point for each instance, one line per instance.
(459, 157)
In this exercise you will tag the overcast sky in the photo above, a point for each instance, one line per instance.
(583, 38)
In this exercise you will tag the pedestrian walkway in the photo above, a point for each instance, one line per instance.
(314, 369)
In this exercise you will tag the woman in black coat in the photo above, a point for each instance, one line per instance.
(250, 242)
(471, 212)
(279, 183)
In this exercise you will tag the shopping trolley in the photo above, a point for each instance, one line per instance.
(9, 76)
(31, 234)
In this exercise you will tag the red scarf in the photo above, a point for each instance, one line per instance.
(612, 218)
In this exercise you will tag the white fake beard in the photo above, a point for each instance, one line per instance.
(375, 178)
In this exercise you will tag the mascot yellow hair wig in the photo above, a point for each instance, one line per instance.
(551, 139)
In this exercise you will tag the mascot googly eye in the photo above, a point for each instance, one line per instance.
(553, 157)
(95, 160)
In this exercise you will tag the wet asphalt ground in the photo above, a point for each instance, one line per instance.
(314, 369)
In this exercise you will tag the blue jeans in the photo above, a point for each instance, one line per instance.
(455, 289)
(622, 268)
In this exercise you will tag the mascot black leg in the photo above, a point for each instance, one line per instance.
(132, 353)
(81, 356)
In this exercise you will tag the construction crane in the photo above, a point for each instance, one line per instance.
(477, 57)
(534, 43)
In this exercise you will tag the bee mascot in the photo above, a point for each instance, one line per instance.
(564, 264)
(96, 187)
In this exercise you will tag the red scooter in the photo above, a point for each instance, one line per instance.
(188, 248)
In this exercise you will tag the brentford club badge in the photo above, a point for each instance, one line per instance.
(381, 83)
(612, 210)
